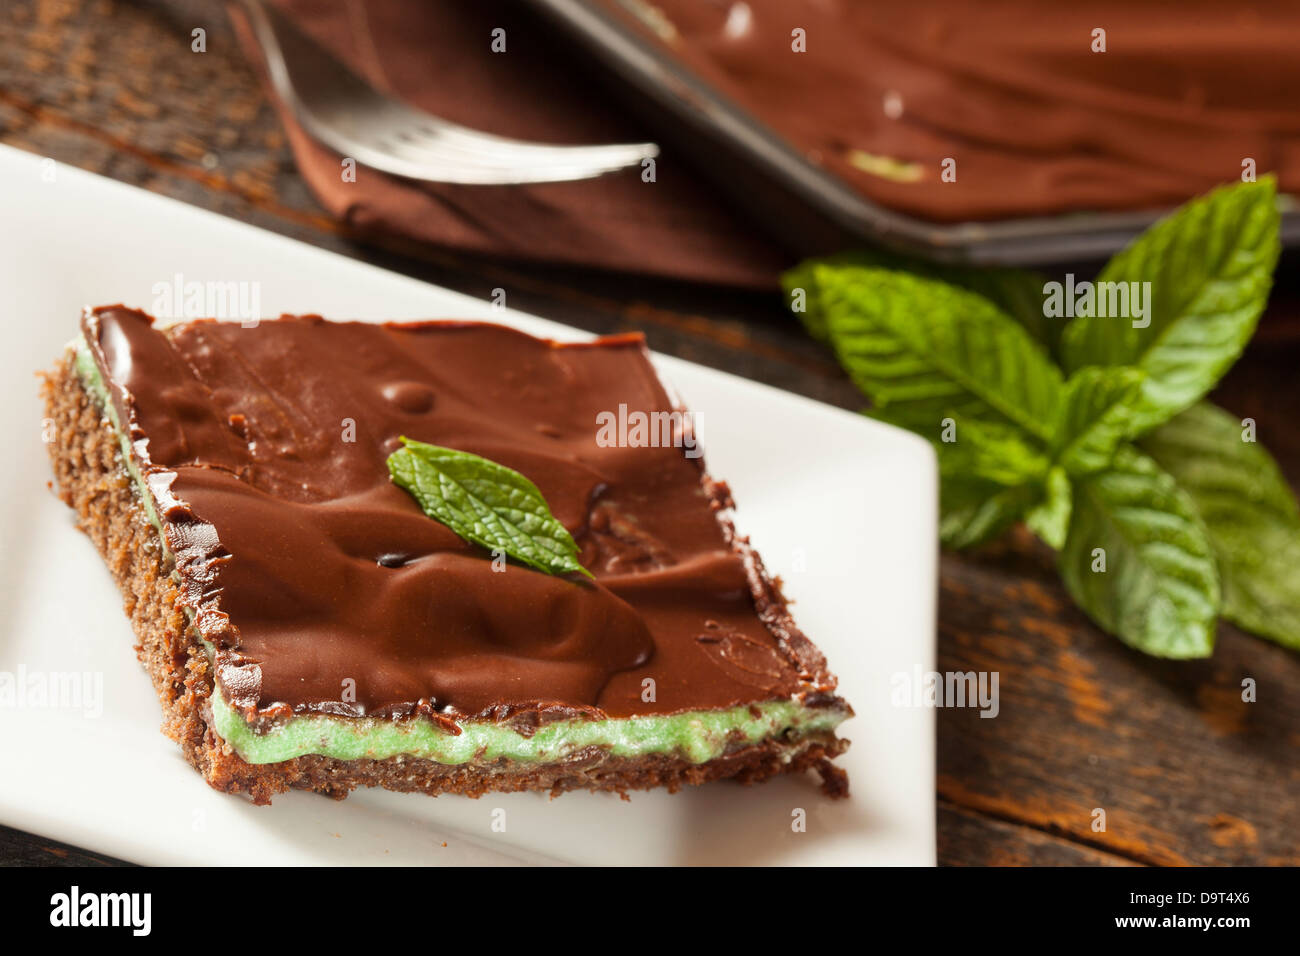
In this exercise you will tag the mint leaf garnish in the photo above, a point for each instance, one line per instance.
(1249, 512)
(486, 503)
(1138, 560)
(923, 350)
(1210, 266)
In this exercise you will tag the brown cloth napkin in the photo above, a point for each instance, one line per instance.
(436, 55)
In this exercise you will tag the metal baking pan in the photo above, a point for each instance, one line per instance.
(807, 208)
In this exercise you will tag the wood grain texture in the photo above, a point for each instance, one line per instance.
(970, 838)
(27, 849)
(1185, 770)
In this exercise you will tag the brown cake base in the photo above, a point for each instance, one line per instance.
(92, 480)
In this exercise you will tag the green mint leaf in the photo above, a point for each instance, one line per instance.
(1095, 415)
(1050, 519)
(1017, 292)
(1209, 266)
(993, 450)
(973, 511)
(486, 503)
(923, 350)
(1159, 590)
(1248, 510)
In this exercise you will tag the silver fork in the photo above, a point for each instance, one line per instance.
(341, 110)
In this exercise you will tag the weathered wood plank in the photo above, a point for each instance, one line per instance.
(969, 838)
(18, 848)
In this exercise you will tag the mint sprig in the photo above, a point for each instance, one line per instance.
(486, 503)
(1157, 538)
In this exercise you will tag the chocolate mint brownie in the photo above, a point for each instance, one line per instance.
(306, 624)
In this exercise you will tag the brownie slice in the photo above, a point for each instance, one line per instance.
(307, 625)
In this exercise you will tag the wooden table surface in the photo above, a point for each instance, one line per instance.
(1186, 771)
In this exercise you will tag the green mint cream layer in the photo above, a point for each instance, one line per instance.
(697, 736)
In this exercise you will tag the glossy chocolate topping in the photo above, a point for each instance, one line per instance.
(1012, 90)
(325, 587)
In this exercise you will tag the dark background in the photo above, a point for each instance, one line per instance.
(1186, 771)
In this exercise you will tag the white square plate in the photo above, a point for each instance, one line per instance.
(841, 507)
